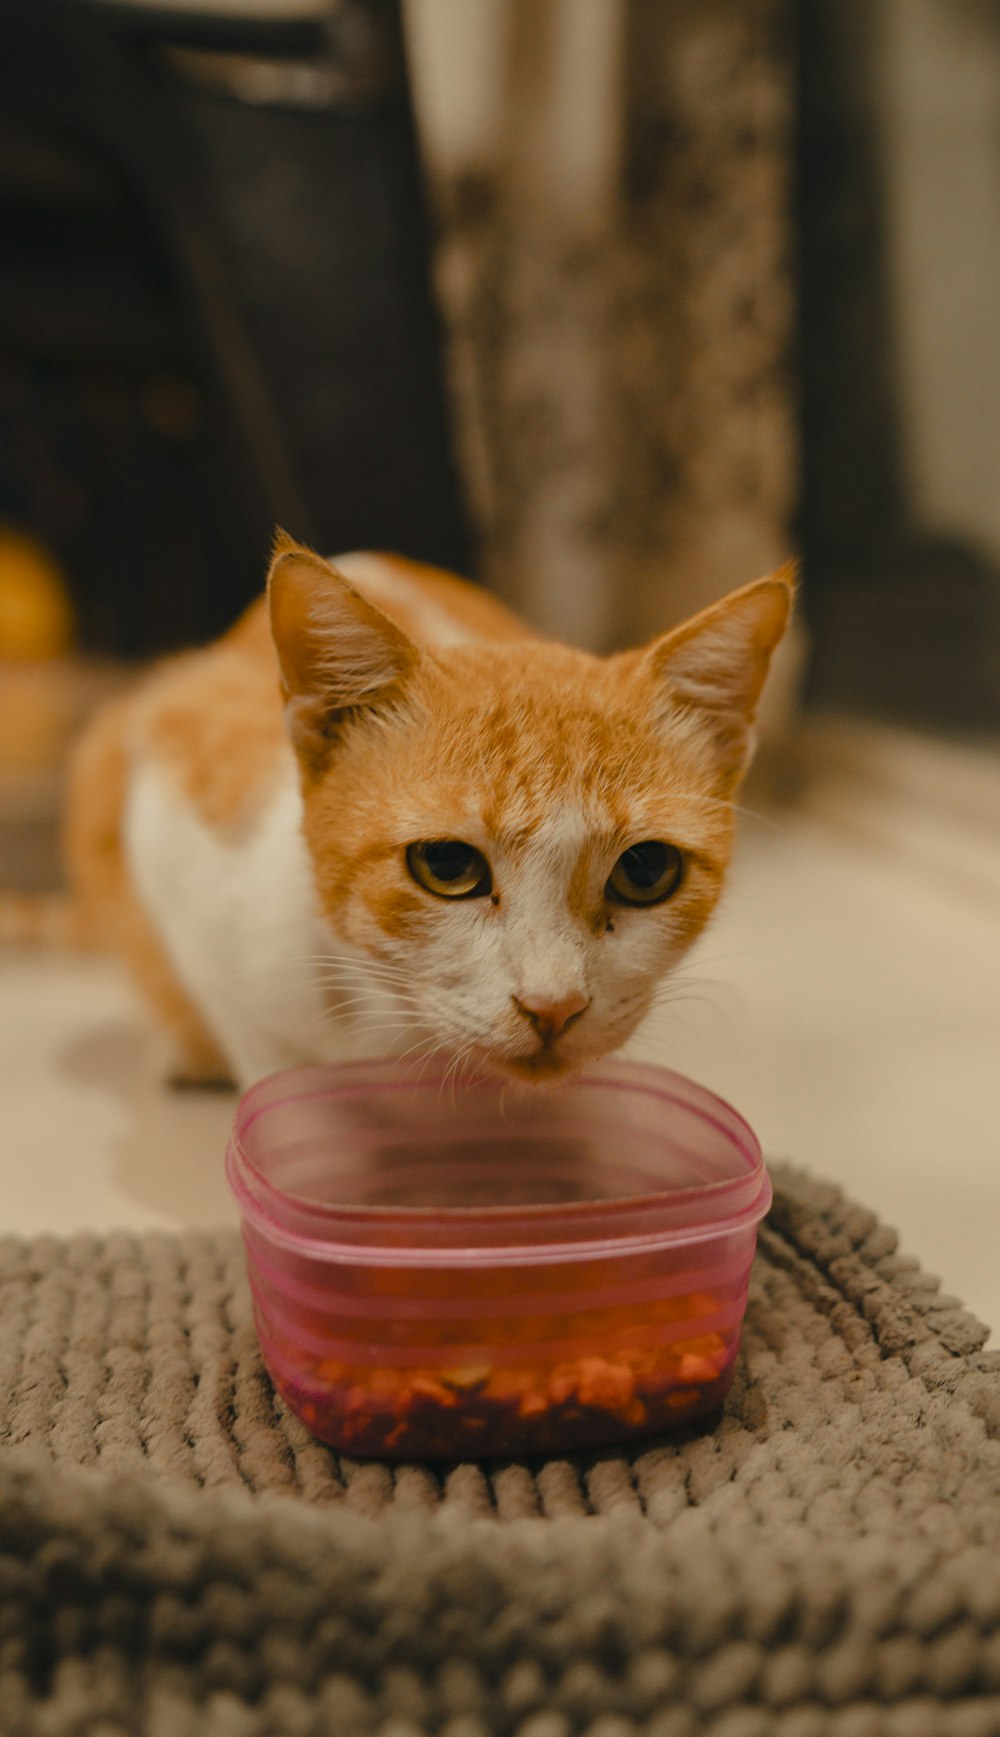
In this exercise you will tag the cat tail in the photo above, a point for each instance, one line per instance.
(46, 920)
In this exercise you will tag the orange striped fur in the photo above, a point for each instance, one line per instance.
(244, 814)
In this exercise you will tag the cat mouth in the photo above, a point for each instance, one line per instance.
(546, 1063)
(539, 1064)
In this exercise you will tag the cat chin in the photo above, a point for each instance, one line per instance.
(546, 1067)
(540, 1068)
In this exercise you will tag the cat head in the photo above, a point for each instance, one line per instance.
(522, 838)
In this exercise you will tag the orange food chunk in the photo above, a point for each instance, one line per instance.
(683, 1399)
(532, 1404)
(563, 1382)
(595, 1381)
(428, 1387)
(708, 1345)
(607, 1384)
(642, 1363)
(467, 1380)
(694, 1369)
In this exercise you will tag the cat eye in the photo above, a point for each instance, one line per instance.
(449, 868)
(645, 874)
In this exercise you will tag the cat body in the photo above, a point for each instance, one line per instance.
(380, 818)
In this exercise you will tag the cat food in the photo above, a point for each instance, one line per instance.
(527, 1408)
(564, 1270)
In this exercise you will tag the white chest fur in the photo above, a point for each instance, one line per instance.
(239, 920)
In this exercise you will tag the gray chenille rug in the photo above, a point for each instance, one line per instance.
(179, 1558)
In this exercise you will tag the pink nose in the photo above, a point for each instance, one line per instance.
(551, 1015)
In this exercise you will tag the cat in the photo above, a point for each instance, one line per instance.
(380, 817)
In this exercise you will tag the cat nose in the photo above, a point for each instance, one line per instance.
(550, 1014)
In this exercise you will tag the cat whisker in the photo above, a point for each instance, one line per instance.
(430, 1047)
(674, 990)
(331, 974)
(702, 801)
(357, 983)
(456, 1075)
(353, 958)
(361, 1019)
(363, 1025)
(684, 1007)
(728, 1014)
(357, 969)
(357, 1000)
(364, 968)
(698, 963)
(450, 1075)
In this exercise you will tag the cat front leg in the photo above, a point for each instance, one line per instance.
(194, 1070)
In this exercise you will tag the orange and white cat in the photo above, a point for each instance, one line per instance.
(379, 817)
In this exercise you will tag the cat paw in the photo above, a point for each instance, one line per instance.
(190, 1068)
(184, 1080)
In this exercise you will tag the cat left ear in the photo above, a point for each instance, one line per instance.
(715, 664)
(335, 649)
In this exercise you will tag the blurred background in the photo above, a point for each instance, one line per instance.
(613, 304)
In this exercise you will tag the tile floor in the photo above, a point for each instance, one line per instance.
(847, 1001)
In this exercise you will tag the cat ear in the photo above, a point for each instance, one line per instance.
(715, 664)
(335, 649)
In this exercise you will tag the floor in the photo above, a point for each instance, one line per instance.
(847, 1001)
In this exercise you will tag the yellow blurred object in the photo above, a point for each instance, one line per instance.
(35, 715)
(36, 618)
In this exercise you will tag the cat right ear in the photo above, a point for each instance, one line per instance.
(713, 667)
(336, 651)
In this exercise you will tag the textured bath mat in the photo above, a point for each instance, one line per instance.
(178, 1557)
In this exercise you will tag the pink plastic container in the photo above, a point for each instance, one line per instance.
(502, 1271)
